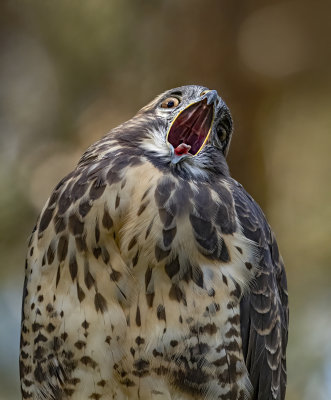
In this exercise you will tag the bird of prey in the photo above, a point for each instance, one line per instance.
(151, 273)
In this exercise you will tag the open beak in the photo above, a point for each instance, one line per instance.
(190, 130)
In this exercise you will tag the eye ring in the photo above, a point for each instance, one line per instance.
(204, 92)
(170, 102)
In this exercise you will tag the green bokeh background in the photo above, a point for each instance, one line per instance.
(71, 70)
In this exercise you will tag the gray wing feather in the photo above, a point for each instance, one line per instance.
(264, 310)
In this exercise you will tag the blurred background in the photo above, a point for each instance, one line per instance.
(72, 70)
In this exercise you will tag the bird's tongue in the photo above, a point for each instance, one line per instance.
(191, 128)
(182, 149)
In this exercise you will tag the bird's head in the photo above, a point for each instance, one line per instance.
(191, 122)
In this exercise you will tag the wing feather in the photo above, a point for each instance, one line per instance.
(264, 310)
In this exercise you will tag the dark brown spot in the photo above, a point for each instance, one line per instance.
(117, 201)
(86, 360)
(101, 383)
(202, 227)
(132, 243)
(40, 338)
(128, 382)
(160, 312)
(107, 221)
(123, 183)
(80, 293)
(235, 320)
(141, 364)
(69, 392)
(148, 231)
(85, 324)
(140, 340)
(239, 249)
(248, 265)
(49, 307)
(237, 291)
(225, 280)
(138, 319)
(160, 254)
(105, 255)
(79, 188)
(146, 193)
(50, 327)
(135, 259)
(163, 191)
(148, 276)
(31, 251)
(97, 232)
(165, 217)
(176, 293)
(88, 278)
(96, 252)
(56, 343)
(232, 332)
(64, 336)
(220, 361)
(59, 223)
(81, 243)
(172, 268)
(115, 275)
(45, 219)
(150, 299)
(73, 381)
(84, 207)
(157, 353)
(58, 274)
(39, 374)
(142, 208)
(113, 177)
(173, 343)
(50, 253)
(97, 189)
(232, 346)
(73, 267)
(39, 353)
(100, 302)
(35, 327)
(62, 248)
(64, 202)
(197, 276)
(168, 236)
(224, 256)
(209, 328)
(76, 226)
(80, 344)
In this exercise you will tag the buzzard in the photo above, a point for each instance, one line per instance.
(151, 273)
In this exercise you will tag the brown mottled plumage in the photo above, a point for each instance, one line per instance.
(151, 273)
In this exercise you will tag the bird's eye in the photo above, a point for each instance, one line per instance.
(203, 93)
(222, 135)
(170, 102)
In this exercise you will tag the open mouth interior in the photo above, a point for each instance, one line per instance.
(191, 128)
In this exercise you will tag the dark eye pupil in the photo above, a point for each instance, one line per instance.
(170, 103)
